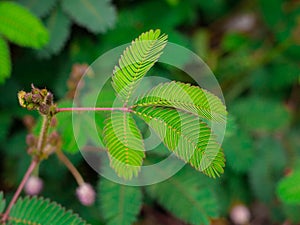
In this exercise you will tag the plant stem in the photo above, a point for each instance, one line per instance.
(32, 166)
(92, 109)
(43, 133)
(70, 166)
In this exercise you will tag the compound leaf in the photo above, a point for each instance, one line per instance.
(119, 204)
(5, 63)
(58, 25)
(189, 138)
(41, 211)
(97, 16)
(124, 144)
(186, 97)
(136, 61)
(20, 26)
(187, 196)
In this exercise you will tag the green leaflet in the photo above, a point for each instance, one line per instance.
(18, 25)
(41, 211)
(97, 16)
(2, 202)
(187, 98)
(124, 144)
(186, 195)
(5, 63)
(39, 8)
(136, 61)
(288, 188)
(58, 25)
(188, 137)
(119, 204)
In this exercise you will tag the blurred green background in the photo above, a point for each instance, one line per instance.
(253, 48)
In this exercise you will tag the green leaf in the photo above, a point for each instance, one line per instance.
(288, 189)
(136, 61)
(96, 16)
(39, 8)
(18, 25)
(119, 204)
(2, 202)
(267, 169)
(58, 25)
(272, 12)
(124, 144)
(187, 196)
(240, 155)
(190, 139)
(5, 63)
(41, 211)
(188, 98)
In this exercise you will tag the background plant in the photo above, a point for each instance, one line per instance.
(256, 64)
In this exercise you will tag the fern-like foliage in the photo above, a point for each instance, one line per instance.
(136, 61)
(59, 26)
(185, 97)
(189, 138)
(41, 211)
(124, 143)
(97, 16)
(119, 204)
(2, 202)
(187, 196)
(20, 26)
(5, 63)
(179, 113)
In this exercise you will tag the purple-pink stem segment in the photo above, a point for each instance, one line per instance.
(92, 109)
(30, 169)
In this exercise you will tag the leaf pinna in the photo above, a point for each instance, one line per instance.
(178, 113)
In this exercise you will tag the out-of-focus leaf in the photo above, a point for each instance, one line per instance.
(5, 63)
(96, 16)
(58, 25)
(18, 25)
(279, 75)
(119, 204)
(267, 168)
(260, 114)
(187, 196)
(239, 151)
(271, 12)
(2, 202)
(288, 188)
(292, 212)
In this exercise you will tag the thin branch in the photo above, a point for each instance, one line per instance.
(32, 166)
(92, 109)
(70, 166)
(43, 133)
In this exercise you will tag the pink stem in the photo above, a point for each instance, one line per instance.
(30, 169)
(92, 109)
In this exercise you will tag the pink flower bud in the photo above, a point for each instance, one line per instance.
(240, 214)
(33, 186)
(86, 194)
